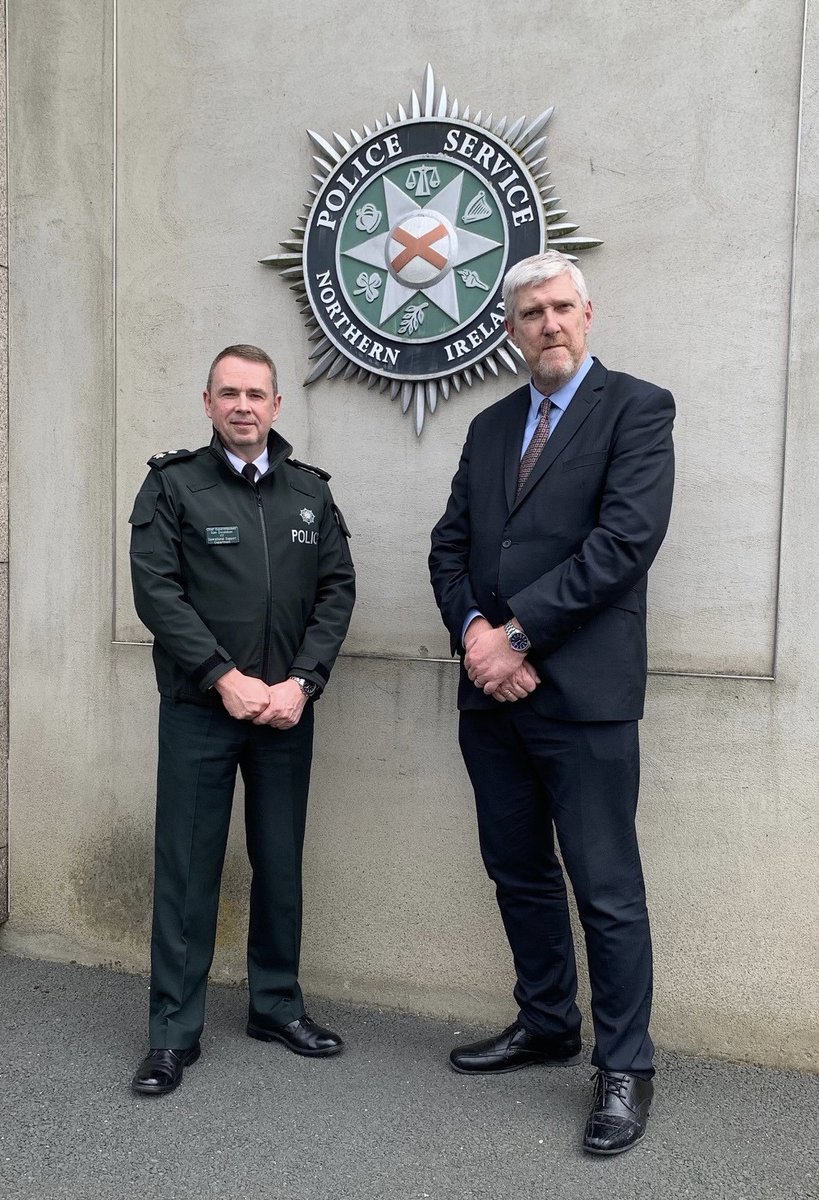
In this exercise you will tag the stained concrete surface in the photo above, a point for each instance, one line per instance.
(387, 1120)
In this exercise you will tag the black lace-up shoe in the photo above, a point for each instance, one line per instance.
(619, 1112)
(513, 1049)
(161, 1070)
(302, 1036)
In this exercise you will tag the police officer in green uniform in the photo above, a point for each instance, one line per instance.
(242, 572)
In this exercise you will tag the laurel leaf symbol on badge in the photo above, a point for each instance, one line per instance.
(413, 318)
(367, 218)
(368, 286)
(473, 280)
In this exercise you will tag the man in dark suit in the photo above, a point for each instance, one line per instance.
(558, 507)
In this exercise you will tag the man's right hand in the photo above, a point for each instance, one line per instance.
(243, 696)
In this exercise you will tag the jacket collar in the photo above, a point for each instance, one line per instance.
(277, 450)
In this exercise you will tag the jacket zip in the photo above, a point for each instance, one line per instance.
(268, 625)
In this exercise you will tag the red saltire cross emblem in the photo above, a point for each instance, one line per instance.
(420, 247)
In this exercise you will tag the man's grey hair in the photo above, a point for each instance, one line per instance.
(249, 354)
(530, 272)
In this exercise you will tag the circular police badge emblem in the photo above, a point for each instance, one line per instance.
(406, 243)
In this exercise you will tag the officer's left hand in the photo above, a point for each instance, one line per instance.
(287, 702)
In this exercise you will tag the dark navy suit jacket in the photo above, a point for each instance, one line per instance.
(569, 557)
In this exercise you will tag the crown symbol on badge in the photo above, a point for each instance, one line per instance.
(367, 218)
(398, 258)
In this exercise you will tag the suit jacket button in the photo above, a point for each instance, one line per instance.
(506, 543)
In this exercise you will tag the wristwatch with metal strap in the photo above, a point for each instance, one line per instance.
(306, 686)
(517, 638)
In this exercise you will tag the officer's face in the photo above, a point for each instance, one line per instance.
(242, 406)
(549, 327)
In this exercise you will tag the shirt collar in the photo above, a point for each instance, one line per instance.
(261, 463)
(563, 395)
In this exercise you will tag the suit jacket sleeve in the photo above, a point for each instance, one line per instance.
(449, 557)
(617, 553)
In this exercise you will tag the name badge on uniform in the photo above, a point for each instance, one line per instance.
(222, 535)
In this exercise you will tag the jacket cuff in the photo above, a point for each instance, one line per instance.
(309, 668)
(213, 668)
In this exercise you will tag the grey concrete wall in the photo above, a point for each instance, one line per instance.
(674, 139)
(4, 528)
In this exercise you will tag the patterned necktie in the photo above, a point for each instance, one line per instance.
(539, 439)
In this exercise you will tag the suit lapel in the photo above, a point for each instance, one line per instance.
(514, 438)
(582, 404)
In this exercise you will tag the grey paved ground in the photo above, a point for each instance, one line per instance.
(387, 1120)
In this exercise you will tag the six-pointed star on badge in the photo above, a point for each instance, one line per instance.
(421, 249)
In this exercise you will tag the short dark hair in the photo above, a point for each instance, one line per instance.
(249, 354)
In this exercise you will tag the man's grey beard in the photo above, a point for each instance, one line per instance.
(555, 378)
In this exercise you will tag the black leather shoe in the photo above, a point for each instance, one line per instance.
(619, 1112)
(516, 1047)
(161, 1070)
(302, 1036)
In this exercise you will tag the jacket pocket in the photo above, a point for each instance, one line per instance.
(304, 488)
(585, 460)
(629, 602)
(141, 521)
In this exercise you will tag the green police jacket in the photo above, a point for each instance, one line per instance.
(227, 574)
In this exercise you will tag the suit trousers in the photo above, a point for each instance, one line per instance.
(199, 751)
(534, 776)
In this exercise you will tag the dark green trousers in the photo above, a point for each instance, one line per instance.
(199, 751)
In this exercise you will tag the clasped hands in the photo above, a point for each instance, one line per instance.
(249, 699)
(494, 666)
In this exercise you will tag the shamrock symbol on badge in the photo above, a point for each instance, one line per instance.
(368, 286)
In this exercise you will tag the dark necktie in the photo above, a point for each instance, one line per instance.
(539, 439)
(249, 472)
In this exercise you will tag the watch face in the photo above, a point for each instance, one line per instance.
(517, 638)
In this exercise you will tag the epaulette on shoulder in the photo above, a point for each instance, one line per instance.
(170, 456)
(325, 475)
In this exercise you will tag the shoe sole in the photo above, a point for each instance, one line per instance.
(145, 1089)
(546, 1062)
(266, 1035)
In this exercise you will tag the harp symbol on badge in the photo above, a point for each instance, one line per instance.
(477, 209)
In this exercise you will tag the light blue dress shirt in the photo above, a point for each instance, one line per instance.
(561, 399)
